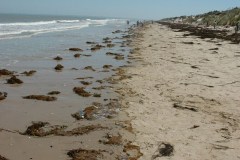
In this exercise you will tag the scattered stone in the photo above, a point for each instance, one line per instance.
(14, 80)
(4, 72)
(58, 58)
(75, 49)
(81, 92)
(59, 67)
(54, 93)
(86, 83)
(89, 68)
(29, 73)
(77, 55)
(41, 98)
(107, 66)
(164, 150)
(83, 154)
(3, 95)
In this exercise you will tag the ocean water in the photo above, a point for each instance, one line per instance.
(30, 41)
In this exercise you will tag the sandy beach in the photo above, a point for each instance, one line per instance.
(183, 95)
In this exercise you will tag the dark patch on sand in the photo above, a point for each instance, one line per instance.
(41, 98)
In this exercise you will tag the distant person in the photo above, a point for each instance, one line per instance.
(214, 24)
(128, 22)
(237, 27)
(137, 23)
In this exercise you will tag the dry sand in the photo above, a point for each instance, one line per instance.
(184, 94)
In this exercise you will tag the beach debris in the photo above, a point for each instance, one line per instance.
(119, 57)
(36, 129)
(99, 88)
(43, 129)
(75, 49)
(3, 95)
(178, 106)
(110, 45)
(4, 72)
(164, 150)
(112, 140)
(3, 158)
(87, 113)
(97, 47)
(58, 58)
(113, 54)
(77, 55)
(89, 68)
(83, 78)
(132, 151)
(81, 92)
(86, 83)
(88, 42)
(187, 42)
(54, 93)
(74, 69)
(194, 67)
(41, 98)
(83, 154)
(59, 67)
(106, 66)
(14, 80)
(117, 31)
(195, 126)
(99, 81)
(29, 73)
(81, 130)
(97, 95)
(106, 39)
(86, 55)
(213, 49)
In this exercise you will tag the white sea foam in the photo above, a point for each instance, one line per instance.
(22, 29)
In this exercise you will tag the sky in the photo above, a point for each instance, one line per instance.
(141, 9)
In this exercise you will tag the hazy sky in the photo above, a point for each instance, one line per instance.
(147, 9)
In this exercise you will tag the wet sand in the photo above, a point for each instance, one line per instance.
(183, 95)
(70, 110)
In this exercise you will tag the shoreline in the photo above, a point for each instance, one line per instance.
(183, 95)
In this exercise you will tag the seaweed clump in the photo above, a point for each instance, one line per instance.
(83, 154)
(81, 92)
